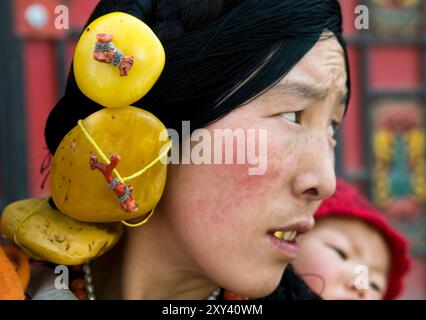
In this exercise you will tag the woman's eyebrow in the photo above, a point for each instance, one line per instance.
(304, 89)
(310, 91)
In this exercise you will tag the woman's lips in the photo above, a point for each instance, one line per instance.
(285, 239)
(290, 249)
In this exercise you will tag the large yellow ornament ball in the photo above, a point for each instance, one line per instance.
(47, 234)
(102, 82)
(83, 193)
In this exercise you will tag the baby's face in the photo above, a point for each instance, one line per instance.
(344, 258)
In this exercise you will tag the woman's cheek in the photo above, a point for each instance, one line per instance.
(242, 201)
(241, 198)
(226, 197)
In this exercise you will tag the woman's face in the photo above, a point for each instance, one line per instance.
(222, 219)
(338, 253)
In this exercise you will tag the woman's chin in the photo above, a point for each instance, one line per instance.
(257, 287)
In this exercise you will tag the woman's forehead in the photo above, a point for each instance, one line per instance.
(322, 69)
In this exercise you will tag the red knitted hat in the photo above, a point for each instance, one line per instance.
(348, 202)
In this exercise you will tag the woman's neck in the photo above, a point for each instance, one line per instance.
(148, 266)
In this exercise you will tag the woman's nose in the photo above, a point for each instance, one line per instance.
(316, 179)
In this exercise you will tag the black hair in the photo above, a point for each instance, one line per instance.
(220, 54)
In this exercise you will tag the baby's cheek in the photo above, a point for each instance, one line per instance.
(315, 266)
(331, 272)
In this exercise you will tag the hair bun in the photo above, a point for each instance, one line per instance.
(168, 18)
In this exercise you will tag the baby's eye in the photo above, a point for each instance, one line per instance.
(293, 116)
(375, 287)
(341, 253)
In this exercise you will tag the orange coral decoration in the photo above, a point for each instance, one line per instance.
(106, 52)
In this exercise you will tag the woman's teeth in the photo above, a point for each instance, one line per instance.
(286, 236)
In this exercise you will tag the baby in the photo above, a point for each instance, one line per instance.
(352, 252)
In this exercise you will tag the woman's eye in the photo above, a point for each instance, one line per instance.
(293, 116)
(341, 253)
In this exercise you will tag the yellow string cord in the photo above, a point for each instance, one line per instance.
(135, 175)
(139, 223)
(152, 163)
(21, 222)
(105, 158)
(97, 148)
